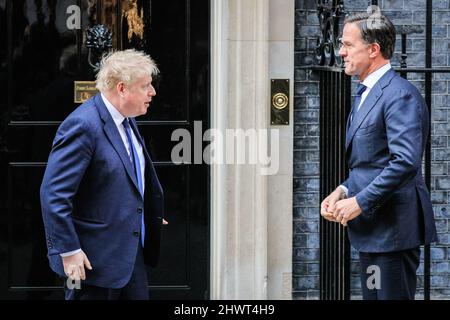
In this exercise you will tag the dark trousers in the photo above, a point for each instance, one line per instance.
(390, 275)
(136, 288)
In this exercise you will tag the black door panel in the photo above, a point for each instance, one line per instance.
(40, 58)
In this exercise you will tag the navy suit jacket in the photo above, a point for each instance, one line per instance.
(384, 147)
(90, 198)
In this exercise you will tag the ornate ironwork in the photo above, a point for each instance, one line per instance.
(98, 41)
(330, 14)
(404, 31)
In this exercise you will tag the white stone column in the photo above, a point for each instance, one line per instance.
(251, 218)
(240, 252)
(247, 188)
(281, 66)
(219, 102)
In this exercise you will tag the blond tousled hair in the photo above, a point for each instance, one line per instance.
(124, 66)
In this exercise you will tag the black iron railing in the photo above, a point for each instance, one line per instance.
(334, 245)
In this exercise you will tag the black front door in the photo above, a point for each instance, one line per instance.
(42, 52)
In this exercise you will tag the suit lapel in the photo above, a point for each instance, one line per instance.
(115, 139)
(150, 169)
(368, 104)
(135, 129)
(371, 100)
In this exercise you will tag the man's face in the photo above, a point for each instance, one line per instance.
(354, 51)
(137, 97)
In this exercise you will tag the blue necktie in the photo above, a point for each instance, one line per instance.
(359, 91)
(137, 171)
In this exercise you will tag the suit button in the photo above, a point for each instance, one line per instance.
(136, 234)
(139, 210)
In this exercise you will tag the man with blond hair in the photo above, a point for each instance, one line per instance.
(101, 199)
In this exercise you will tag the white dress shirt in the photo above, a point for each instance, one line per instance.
(369, 82)
(118, 120)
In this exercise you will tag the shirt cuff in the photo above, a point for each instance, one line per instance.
(345, 190)
(70, 253)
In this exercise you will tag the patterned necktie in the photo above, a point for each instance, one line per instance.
(137, 171)
(359, 91)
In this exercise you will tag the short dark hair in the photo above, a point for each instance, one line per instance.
(375, 29)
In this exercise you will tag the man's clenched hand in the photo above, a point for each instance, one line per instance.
(327, 206)
(74, 266)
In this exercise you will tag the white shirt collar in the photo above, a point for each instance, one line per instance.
(115, 114)
(373, 78)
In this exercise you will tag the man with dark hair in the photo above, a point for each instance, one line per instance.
(384, 201)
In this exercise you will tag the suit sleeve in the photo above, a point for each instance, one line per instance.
(403, 120)
(69, 158)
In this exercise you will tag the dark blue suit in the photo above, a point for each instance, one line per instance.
(90, 198)
(384, 146)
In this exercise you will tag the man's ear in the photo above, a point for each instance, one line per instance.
(120, 87)
(375, 50)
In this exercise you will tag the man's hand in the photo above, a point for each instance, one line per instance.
(346, 210)
(74, 266)
(327, 206)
